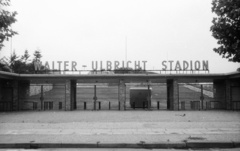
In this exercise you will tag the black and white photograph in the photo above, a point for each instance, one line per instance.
(119, 75)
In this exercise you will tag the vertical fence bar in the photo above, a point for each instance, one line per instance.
(119, 105)
(95, 97)
(109, 105)
(41, 98)
(148, 101)
(18, 97)
(99, 105)
(202, 97)
(158, 105)
(178, 95)
(65, 97)
(85, 105)
(125, 96)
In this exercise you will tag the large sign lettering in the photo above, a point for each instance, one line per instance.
(169, 65)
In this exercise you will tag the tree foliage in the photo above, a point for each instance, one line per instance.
(6, 20)
(37, 55)
(22, 64)
(26, 56)
(226, 28)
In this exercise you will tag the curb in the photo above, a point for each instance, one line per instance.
(176, 145)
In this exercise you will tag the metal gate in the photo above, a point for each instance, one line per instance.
(43, 97)
(196, 96)
(101, 96)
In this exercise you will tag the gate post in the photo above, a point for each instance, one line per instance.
(121, 94)
(15, 103)
(95, 98)
(221, 91)
(41, 98)
(201, 97)
(149, 97)
(173, 94)
(70, 95)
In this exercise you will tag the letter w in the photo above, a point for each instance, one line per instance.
(37, 65)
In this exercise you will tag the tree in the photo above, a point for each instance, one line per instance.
(26, 56)
(13, 59)
(226, 28)
(6, 20)
(22, 64)
(16, 64)
(37, 55)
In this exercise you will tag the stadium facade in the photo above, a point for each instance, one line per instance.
(15, 93)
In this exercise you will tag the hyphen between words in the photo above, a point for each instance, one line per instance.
(114, 65)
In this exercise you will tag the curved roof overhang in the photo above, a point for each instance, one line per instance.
(114, 78)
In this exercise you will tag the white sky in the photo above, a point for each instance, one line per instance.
(89, 30)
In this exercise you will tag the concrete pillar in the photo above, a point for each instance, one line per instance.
(173, 94)
(70, 95)
(219, 93)
(15, 89)
(122, 94)
(1, 89)
(228, 97)
(23, 94)
(74, 94)
(232, 93)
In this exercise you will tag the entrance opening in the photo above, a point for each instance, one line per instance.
(42, 96)
(6, 102)
(100, 96)
(197, 96)
(140, 97)
(235, 98)
(144, 95)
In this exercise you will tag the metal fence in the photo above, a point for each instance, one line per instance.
(97, 96)
(105, 96)
(195, 96)
(43, 97)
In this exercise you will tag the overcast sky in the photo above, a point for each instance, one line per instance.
(89, 30)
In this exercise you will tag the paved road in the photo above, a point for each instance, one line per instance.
(136, 127)
(105, 149)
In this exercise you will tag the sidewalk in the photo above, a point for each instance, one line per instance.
(120, 129)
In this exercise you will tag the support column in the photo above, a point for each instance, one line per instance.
(219, 93)
(42, 98)
(228, 97)
(172, 94)
(15, 103)
(122, 94)
(70, 92)
(73, 94)
(23, 93)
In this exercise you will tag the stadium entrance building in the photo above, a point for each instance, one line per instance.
(112, 91)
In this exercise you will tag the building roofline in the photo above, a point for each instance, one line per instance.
(9, 75)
